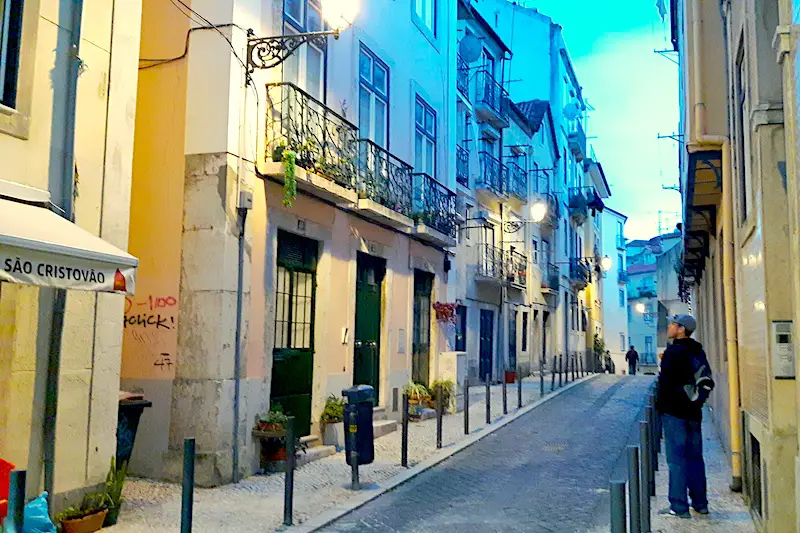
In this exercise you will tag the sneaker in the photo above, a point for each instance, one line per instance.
(702, 510)
(669, 512)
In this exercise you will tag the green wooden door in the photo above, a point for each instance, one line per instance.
(367, 356)
(293, 353)
(421, 349)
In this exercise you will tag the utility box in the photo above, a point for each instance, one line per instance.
(361, 400)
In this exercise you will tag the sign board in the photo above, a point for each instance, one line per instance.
(783, 349)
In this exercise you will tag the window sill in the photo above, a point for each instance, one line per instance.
(14, 123)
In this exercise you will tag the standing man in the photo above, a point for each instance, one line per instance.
(683, 386)
(632, 357)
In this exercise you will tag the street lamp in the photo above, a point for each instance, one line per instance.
(538, 211)
(640, 308)
(605, 264)
(269, 52)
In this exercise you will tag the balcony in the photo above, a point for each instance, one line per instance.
(462, 76)
(550, 278)
(577, 140)
(324, 143)
(516, 269)
(553, 215)
(622, 242)
(644, 291)
(462, 166)
(490, 264)
(384, 186)
(517, 182)
(622, 276)
(581, 201)
(491, 100)
(579, 274)
(434, 211)
(493, 175)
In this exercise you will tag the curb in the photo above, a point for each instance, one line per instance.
(367, 495)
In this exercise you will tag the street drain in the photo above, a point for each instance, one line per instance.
(558, 447)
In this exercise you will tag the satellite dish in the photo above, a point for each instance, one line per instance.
(470, 48)
(572, 110)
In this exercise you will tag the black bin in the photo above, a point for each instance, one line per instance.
(130, 411)
(361, 399)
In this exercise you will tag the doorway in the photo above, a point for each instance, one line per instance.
(421, 349)
(367, 340)
(512, 342)
(486, 344)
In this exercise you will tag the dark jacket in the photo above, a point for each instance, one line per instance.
(632, 356)
(676, 371)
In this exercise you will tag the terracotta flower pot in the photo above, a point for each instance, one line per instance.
(265, 426)
(87, 524)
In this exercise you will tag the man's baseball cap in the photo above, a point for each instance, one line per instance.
(687, 321)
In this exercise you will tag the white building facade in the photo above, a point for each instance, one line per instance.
(615, 297)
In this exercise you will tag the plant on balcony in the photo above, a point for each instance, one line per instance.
(289, 177)
(445, 312)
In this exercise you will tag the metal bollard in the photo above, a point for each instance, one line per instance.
(288, 485)
(505, 398)
(488, 401)
(618, 519)
(651, 428)
(580, 368)
(15, 521)
(439, 413)
(187, 501)
(651, 473)
(466, 406)
(560, 369)
(541, 377)
(644, 479)
(634, 498)
(352, 436)
(553, 380)
(519, 390)
(404, 434)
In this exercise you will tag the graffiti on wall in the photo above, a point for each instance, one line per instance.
(151, 327)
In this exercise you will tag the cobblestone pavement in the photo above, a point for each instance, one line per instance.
(547, 471)
(256, 504)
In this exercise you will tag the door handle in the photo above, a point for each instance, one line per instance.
(357, 344)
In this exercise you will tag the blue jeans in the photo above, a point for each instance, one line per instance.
(632, 369)
(687, 471)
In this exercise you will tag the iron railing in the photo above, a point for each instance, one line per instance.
(462, 76)
(490, 261)
(490, 92)
(579, 273)
(462, 166)
(434, 204)
(550, 276)
(553, 209)
(540, 181)
(577, 140)
(493, 174)
(622, 276)
(324, 141)
(580, 199)
(384, 178)
(516, 268)
(517, 181)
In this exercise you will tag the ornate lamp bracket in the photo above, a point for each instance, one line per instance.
(269, 52)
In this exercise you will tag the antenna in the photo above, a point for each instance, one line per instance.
(677, 137)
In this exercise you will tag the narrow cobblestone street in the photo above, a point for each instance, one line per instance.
(547, 471)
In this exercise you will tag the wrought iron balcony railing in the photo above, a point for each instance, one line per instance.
(577, 140)
(540, 181)
(579, 273)
(324, 141)
(553, 214)
(384, 178)
(622, 276)
(550, 276)
(462, 166)
(462, 76)
(434, 205)
(517, 181)
(493, 174)
(644, 291)
(490, 261)
(516, 268)
(490, 92)
(580, 201)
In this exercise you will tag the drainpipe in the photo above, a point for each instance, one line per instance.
(704, 141)
(237, 352)
(67, 205)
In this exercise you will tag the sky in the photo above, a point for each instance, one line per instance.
(634, 93)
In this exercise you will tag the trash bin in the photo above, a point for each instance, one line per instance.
(131, 408)
(360, 398)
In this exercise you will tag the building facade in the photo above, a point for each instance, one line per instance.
(615, 296)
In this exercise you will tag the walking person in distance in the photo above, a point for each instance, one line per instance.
(632, 357)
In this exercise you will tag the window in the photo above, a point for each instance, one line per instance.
(294, 306)
(10, 38)
(487, 62)
(424, 138)
(373, 98)
(467, 217)
(535, 252)
(620, 262)
(461, 328)
(620, 230)
(566, 241)
(425, 13)
(622, 297)
(741, 129)
(524, 331)
(622, 342)
(305, 67)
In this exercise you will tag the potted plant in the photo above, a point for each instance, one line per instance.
(448, 388)
(87, 518)
(445, 312)
(332, 422)
(115, 482)
(274, 421)
(418, 397)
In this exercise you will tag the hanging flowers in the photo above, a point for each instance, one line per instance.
(445, 312)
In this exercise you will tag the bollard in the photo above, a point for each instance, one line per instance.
(553, 380)
(634, 498)
(187, 502)
(355, 484)
(14, 522)
(541, 377)
(519, 390)
(560, 369)
(651, 429)
(288, 485)
(488, 401)
(651, 474)
(644, 480)
(404, 434)
(505, 398)
(580, 368)
(439, 412)
(618, 520)
(466, 406)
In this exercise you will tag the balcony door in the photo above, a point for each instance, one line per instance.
(486, 345)
(306, 66)
(512, 341)
(421, 349)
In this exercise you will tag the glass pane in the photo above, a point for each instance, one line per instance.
(419, 7)
(418, 152)
(294, 9)
(364, 101)
(314, 72)
(429, 154)
(291, 68)
(380, 123)
(419, 114)
(379, 82)
(314, 20)
(429, 122)
(365, 67)
(429, 5)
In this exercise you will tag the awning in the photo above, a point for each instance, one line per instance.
(38, 247)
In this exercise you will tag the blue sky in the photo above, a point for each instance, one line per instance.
(635, 95)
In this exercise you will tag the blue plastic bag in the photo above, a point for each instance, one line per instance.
(37, 519)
